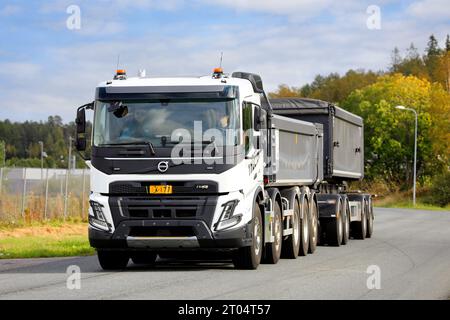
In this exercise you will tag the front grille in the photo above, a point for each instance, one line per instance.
(138, 188)
(161, 231)
(163, 208)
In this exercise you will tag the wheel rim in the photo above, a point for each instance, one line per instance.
(305, 225)
(295, 228)
(339, 218)
(277, 232)
(347, 228)
(314, 224)
(364, 223)
(257, 231)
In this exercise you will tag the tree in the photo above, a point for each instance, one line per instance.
(284, 91)
(2, 152)
(396, 60)
(389, 133)
(432, 60)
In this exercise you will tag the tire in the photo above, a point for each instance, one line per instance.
(112, 260)
(273, 250)
(359, 228)
(369, 211)
(313, 228)
(292, 244)
(334, 228)
(346, 224)
(143, 257)
(304, 230)
(250, 257)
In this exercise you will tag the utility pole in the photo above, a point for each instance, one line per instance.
(415, 150)
(41, 144)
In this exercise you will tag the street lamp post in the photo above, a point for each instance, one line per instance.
(42, 157)
(415, 150)
(67, 177)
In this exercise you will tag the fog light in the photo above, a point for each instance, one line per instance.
(229, 223)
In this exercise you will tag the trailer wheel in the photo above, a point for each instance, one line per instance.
(369, 220)
(250, 257)
(346, 225)
(334, 228)
(292, 244)
(304, 230)
(273, 250)
(143, 257)
(314, 228)
(359, 228)
(112, 260)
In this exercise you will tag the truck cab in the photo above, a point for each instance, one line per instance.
(176, 164)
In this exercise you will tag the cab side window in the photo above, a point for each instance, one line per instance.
(247, 125)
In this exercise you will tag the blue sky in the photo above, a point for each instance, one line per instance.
(47, 69)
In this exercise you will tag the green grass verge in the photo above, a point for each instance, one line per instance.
(43, 247)
(42, 239)
(405, 204)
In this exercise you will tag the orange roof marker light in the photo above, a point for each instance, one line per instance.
(217, 73)
(121, 74)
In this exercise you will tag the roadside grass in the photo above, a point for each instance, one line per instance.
(404, 201)
(44, 239)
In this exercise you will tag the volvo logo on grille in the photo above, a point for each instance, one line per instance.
(163, 166)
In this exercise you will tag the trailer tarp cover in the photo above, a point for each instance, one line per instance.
(343, 143)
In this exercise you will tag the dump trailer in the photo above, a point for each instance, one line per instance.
(210, 164)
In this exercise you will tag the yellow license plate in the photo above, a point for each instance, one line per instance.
(167, 189)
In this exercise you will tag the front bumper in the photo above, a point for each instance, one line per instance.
(200, 239)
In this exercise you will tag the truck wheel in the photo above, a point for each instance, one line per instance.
(304, 230)
(250, 257)
(313, 228)
(292, 244)
(369, 220)
(334, 228)
(273, 250)
(143, 257)
(346, 225)
(112, 260)
(359, 228)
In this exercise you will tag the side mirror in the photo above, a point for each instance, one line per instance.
(81, 121)
(80, 141)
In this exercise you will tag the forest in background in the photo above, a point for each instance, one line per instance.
(416, 80)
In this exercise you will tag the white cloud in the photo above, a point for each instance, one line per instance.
(10, 10)
(292, 52)
(19, 71)
(287, 7)
(430, 9)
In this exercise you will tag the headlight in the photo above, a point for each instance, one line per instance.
(96, 216)
(227, 219)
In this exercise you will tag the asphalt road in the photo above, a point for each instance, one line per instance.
(411, 249)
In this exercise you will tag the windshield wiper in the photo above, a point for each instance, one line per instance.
(132, 143)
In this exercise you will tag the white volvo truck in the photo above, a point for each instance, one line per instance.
(211, 164)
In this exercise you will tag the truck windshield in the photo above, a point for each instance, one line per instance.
(120, 122)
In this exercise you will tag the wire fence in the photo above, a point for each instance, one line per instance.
(33, 194)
